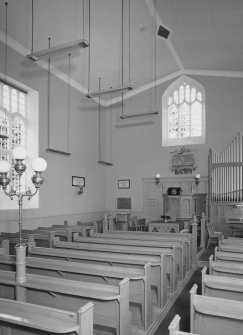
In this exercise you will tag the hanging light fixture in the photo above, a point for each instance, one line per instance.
(63, 48)
(109, 90)
(126, 116)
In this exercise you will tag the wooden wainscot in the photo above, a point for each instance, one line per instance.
(19, 318)
(215, 316)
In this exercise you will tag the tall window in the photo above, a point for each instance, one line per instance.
(183, 113)
(13, 112)
(19, 125)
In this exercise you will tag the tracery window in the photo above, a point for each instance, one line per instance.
(13, 121)
(183, 113)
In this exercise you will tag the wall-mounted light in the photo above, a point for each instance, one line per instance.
(197, 179)
(157, 178)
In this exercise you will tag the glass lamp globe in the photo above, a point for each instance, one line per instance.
(157, 175)
(197, 176)
(39, 164)
(19, 152)
(4, 166)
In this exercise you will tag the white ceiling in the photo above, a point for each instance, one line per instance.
(206, 38)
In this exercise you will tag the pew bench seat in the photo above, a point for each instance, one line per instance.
(215, 316)
(111, 303)
(139, 285)
(221, 287)
(160, 285)
(35, 318)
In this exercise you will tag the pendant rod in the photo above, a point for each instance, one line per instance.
(89, 50)
(32, 27)
(6, 41)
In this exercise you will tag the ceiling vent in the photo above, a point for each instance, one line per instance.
(163, 32)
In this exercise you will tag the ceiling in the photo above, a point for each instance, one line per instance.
(206, 38)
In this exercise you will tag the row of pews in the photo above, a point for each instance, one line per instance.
(108, 283)
(219, 308)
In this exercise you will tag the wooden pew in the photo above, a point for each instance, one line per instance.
(4, 249)
(139, 285)
(174, 327)
(159, 284)
(215, 316)
(176, 247)
(111, 303)
(171, 266)
(84, 229)
(225, 269)
(18, 318)
(134, 235)
(185, 237)
(221, 287)
(234, 247)
(43, 239)
(227, 256)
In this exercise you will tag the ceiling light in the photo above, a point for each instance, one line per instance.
(110, 90)
(137, 115)
(35, 56)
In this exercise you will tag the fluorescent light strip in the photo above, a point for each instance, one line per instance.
(110, 90)
(137, 115)
(35, 56)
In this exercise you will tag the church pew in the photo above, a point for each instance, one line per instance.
(4, 249)
(185, 237)
(225, 269)
(174, 327)
(43, 239)
(84, 229)
(134, 235)
(19, 318)
(111, 303)
(228, 256)
(176, 247)
(234, 247)
(192, 236)
(139, 285)
(215, 316)
(159, 284)
(221, 287)
(170, 255)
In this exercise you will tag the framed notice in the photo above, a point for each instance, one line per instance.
(78, 181)
(124, 183)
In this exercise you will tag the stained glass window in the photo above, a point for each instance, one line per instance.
(183, 113)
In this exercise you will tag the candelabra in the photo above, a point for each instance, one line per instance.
(39, 165)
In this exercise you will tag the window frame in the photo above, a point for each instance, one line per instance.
(166, 142)
(31, 139)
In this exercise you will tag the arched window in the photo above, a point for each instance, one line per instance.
(183, 113)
